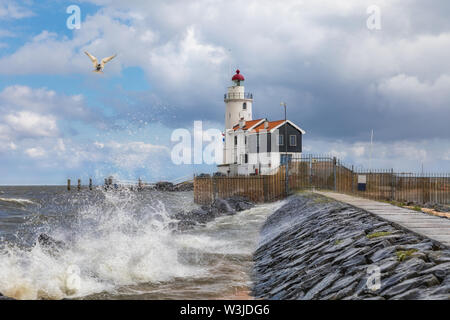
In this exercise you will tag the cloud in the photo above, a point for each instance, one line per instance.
(340, 79)
(11, 10)
(44, 101)
(31, 124)
(35, 152)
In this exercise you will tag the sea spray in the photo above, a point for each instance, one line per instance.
(121, 244)
(114, 241)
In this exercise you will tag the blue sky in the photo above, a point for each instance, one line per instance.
(59, 120)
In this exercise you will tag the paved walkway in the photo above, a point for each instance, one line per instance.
(433, 227)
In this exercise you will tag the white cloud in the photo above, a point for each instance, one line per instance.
(9, 9)
(35, 152)
(44, 102)
(31, 124)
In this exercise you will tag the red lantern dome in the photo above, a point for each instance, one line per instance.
(238, 76)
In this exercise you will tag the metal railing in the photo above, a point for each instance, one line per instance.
(238, 95)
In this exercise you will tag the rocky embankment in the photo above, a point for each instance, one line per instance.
(169, 186)
(317, 248)
(207, 213)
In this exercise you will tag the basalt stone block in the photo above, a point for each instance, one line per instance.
(323, 284)
(397, 278)
(413, 294)
(223, 206)
(425, 281)
(359, 260)
(438, 256)
(388, 264)
(342, 283)
(350, 253)
(239, 203)
(440, 271)
(413, 264)
(421, 246)
(341, 294)
(382, 253)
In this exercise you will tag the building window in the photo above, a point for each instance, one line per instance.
(235, 141)
(245, 140)
(281, 140)
(246, 158)
(229, 115)
(293, 141)
(244, 106)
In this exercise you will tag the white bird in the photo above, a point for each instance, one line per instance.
(99, 66)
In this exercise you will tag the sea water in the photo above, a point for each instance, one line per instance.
(121, 244)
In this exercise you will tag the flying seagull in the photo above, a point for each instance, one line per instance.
(99, 66)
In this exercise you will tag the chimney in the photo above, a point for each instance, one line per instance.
(266, 124)
(241, 123)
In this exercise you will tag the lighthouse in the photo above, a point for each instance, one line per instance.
(254, 146)
(238, 103)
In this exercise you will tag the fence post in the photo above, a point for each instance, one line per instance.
(393, 185)
(310, 171)
(334, 173)
(266, 188)
(287, 178)
(79, 184)
(353, 179)
(90, 183)
(214, 187)
(68, 184)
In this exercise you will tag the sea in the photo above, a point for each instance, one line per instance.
(122, 244)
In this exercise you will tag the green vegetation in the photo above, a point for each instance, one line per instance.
(402, 255)
(378, 234)
(322, 199)
(337, 242)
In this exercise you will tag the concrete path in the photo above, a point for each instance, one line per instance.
(433, 227)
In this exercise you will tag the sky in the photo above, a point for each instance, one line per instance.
(342, 68)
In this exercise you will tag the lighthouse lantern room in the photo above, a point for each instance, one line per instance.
(238, 102)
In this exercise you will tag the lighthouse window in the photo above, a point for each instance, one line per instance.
(229, 115)
(244, 106)
(235, 141)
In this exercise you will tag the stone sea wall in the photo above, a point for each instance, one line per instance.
(317, 248)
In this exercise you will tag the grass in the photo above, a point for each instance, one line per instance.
(337, 242)
(402, 255)
(403, 205)
(378, 234)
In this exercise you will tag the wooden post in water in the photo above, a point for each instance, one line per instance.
(90, 184)
(68, 184)
(79, 185)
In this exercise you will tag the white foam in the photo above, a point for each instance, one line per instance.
(17, 200)
(110, 245)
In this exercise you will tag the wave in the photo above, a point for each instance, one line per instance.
(17, 201)
(113, 241)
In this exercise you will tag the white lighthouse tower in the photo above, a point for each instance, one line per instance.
(238, 103)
